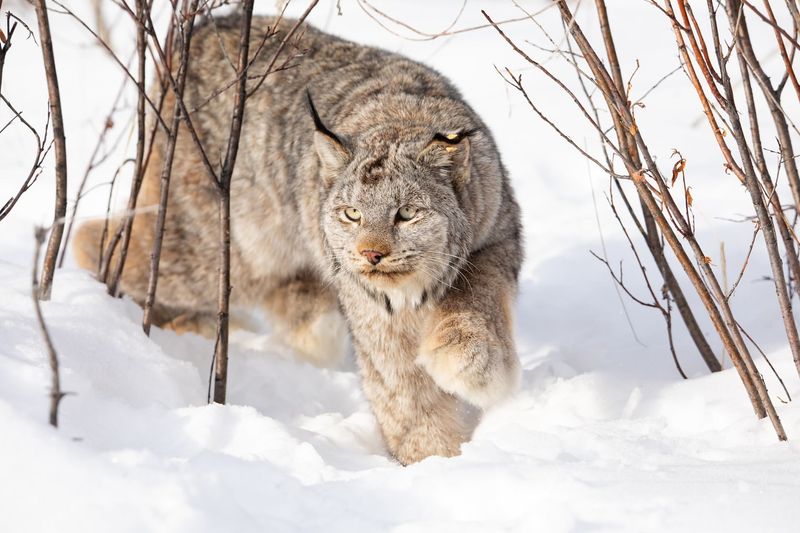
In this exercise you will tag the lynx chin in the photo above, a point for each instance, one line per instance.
(367, 198)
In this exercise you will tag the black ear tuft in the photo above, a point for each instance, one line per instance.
(453, 137)
(318, 124)
(450, 150)
(332, 152)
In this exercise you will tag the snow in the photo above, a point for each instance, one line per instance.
(603, 436)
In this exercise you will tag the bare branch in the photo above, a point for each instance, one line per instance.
(55, 379)
(42, 149)
(140, 163)
(166, 173)
(224, 288)
(108, 123)
(377, 15)
(60, 142)
(712, 295)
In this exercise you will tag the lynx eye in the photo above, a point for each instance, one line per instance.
(352, 214)
(406, 213)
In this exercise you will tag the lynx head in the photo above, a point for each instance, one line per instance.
(391, 217)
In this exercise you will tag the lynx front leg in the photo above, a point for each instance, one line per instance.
(417, 418)
(468, 347)
(307, 317)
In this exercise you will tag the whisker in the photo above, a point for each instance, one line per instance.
(437, 279)
(464, 259)
(457, 270)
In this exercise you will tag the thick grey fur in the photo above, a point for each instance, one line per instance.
(431, 323)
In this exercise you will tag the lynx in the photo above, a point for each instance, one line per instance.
(367, 198)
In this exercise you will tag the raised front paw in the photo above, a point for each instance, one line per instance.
(467, 356)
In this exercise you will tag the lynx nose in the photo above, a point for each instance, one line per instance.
(373, 256)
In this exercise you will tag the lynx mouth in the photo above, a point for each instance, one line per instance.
(386, 275)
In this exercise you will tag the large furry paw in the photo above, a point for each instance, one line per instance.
(466, 357)
(419, 445)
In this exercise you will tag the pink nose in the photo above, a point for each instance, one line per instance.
(372, 256)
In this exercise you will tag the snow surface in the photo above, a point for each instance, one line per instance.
(604, 435)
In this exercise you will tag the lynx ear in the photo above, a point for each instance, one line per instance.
(332, 152)
(452, 151)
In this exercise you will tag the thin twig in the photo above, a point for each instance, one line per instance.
(94, 161)
(166, 173)
(140, 162)
(55, 379)
(43, 147)
(376, 15)
(281, 46)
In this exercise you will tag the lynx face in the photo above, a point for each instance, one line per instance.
(392, 232)
(391, 219)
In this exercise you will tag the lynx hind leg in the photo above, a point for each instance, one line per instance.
(306, 315)
(86, 244)
(86, 248)
(135, 275)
